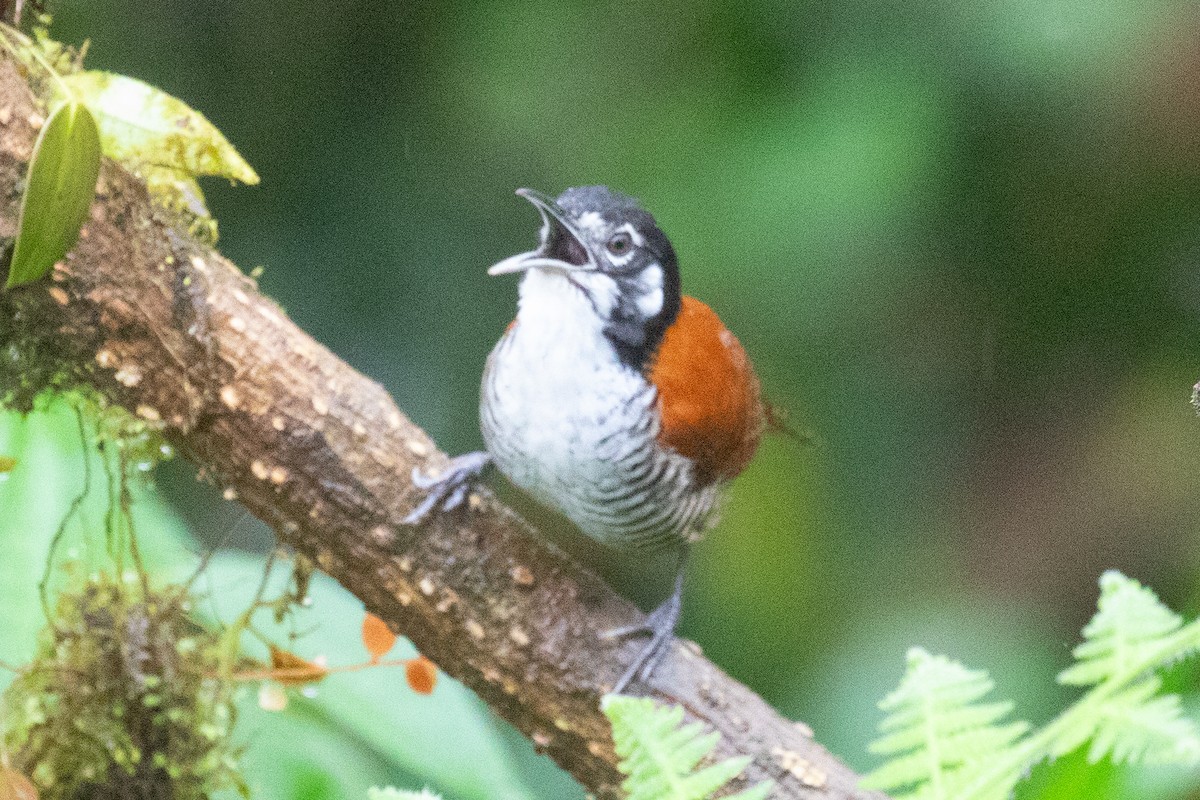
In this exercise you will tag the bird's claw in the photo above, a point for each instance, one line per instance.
(660, 624)
(447, 490)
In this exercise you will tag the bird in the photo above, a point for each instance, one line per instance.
(613, 398)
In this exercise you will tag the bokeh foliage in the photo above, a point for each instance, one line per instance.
(959, 239)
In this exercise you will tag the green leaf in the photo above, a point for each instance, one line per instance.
(144, 128)
(934, 722)
(943, 745)
(1129, 620)
(306, 755)
(58, 193)
(659, 755)
(1140, 727)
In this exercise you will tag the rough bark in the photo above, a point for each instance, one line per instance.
(172, 331)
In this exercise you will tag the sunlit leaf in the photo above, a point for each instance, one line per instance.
(59, 190)
(142, 126)
(180, 192)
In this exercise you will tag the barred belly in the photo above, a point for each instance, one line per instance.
(576, 429)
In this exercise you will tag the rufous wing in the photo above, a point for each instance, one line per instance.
(708, 395)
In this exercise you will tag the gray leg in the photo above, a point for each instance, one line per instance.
(447, 491)
(660, 624)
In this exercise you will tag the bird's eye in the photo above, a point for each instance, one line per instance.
(620, 243)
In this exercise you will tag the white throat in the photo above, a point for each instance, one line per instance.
(554, 307)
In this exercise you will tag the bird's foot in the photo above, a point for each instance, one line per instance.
(447, 490)
(660, 624)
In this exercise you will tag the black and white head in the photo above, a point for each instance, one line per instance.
(611, 250)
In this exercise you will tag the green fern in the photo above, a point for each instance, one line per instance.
(941, 731)
(946, 745)
(1124, 715)
(1129, 620)
(1139, 725)
(659, 756)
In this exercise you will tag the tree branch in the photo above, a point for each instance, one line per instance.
(169, 329)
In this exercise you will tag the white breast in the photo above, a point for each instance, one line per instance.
(566, 421)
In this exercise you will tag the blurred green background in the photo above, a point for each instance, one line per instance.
(960, 240)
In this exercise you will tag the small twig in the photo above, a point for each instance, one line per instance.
(71, 512)
(205, 558)
(112, 545)
(125, 500)
(316, 672)
(256, 602)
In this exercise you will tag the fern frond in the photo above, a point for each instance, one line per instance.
(934, 721)
(1130, 618)
(1131, 635)
(948, 746)
(1138, 726)
(659, 755)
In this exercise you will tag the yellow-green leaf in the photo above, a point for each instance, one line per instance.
(59, 189)
(142, 126)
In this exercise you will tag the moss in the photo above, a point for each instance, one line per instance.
(139, 443)
(124, 699)
(29, 365)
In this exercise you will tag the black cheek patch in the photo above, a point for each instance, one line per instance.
(626, 332)
(628, 338)
(634, 337)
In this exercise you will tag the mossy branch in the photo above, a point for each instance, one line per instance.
(166, 327)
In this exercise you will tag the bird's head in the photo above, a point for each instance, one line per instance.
(603, 245)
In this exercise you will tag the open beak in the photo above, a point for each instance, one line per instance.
(562, 247)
